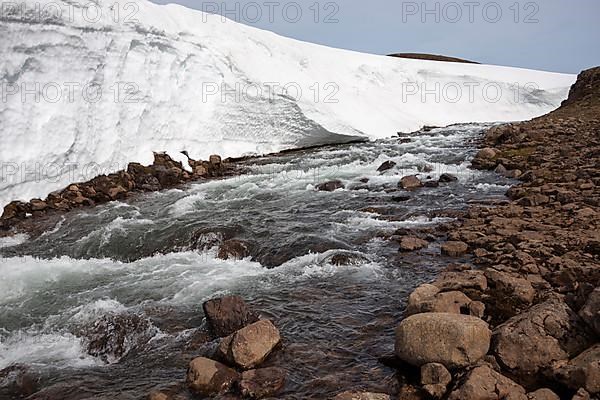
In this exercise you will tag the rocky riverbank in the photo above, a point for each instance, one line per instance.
(522, 321)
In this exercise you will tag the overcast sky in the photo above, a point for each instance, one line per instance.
(553, 35)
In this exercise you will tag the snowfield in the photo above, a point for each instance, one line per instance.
(87, 90)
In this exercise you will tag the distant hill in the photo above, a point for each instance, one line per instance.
(431, 57)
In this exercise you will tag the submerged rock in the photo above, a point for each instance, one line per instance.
(386, 166)
(454, 340)
(361, 396)
(233, 249)
(410, 182)
(260, 383)
(227, 315)
(207, 377)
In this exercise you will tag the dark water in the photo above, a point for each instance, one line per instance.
(139, 258)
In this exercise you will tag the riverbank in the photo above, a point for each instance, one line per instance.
(535, 273)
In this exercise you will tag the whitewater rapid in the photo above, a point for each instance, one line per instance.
(83, 96)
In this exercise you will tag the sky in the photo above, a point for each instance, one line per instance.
(551, 35)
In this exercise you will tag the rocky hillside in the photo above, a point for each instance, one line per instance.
(530, 297)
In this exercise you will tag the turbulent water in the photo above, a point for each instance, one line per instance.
(140, 257)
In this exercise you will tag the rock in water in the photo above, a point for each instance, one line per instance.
(264, 382)
(386, 166)
(483, 383)
(233, 249)
(454, 340)
(446, 178)
(410, 182)
(227, 315)
(330, 186)
(250, 346)
(207, 377)
(411, 243)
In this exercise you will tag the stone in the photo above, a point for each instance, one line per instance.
(583, 371)
(542, 394)
(454, 340)
(227, 315)
(330, 186)
(361, 396)
(251, 345)
(386, 166)
(38, 205)
(158, 396)
(454, 249)
(461, 280)
(590, 312)
(435, 379)
(410, 182)
(486, 153)
(409, 392)
(426, 298)
(412, 243)
(18, 381)
(582, 394)
(510, 285)
(530, 343)
(447, 178)
(233, 249)
(208, 377)
(483, 383)
(215, 160)
(260, 383)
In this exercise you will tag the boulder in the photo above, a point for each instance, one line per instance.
(412, 243)
(426, 298)
(447, 178)
(454, 340)
(410, 183)
(461, 280)
(251, 345)
(510, 285)
(542, 394)
(483, 383)
(208, 377)
(583, 371)
(233, 249)
(260, 383)
(386, 166)
(435, 379)
(158, 396)
(454, 249)
(582, 394)
(590, 312)
(530, 343)
(330, 186)
(361, 396)
(18, 381)
(227, 315)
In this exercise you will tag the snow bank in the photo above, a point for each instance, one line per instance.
(85, 91)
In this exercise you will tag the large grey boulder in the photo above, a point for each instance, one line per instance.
(454, 340)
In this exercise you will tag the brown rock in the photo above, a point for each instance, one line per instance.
(510, 285)
(250, 346)
(206, 377)
(590, 312)
(227, 315)
(233, 249)
(461, 280)
(362, 396)
(435, 379)
(531, 342)
(483, 383)
(454, 249)
(410, 183)
(38, 205)
(583, 371)
(158, 396)
(582, 394)
(542, 394)
(453, 340)
(447, 178)
(215, 160)
(426, 298)
(260, 383)
(412, 243)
